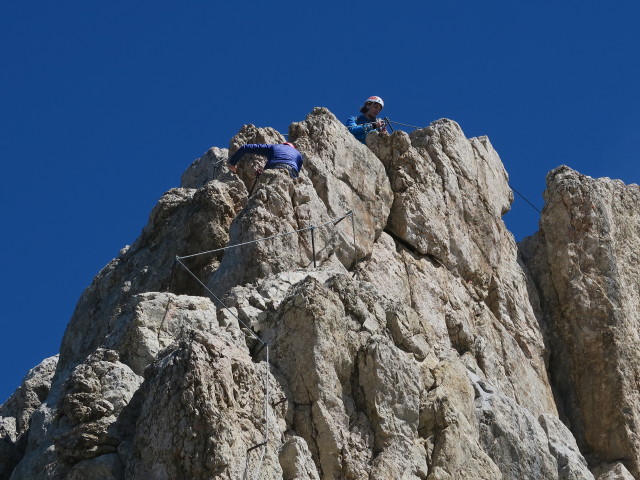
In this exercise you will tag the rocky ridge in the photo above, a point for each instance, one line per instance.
(424, 344)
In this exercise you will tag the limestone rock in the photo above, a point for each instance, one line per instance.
(10, 453)
(503, 425)
(202, 413)
(296, 461)
(92, 398)
(211, 166)
(346, 175)
(183, 222)
(458, 264)
(104, 467)
(612, 471)
(585, 262)
(80, 421)
(447, 420)
(16, 412)
(81, 424)
(278, 208)
(29, 395)
(331, 348)
(152, 322)
(571, 464)
(417, 347)
(443, 182)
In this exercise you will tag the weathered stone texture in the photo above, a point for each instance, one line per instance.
(418, 347)
(184, 221)
(457, 264)
(211, 166)
(346, 176)
(16, 412)
(585, 263)
(612, 471)
(202, 410)
(92, 398)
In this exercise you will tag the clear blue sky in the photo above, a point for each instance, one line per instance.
(104, 104)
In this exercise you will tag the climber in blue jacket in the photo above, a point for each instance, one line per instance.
(279, 156)
(362, 124)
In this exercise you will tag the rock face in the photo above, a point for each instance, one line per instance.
(585, 262)
(372, 319)
(15, 413)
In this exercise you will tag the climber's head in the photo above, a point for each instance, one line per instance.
(372, 107)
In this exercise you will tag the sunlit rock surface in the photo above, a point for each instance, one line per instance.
(371, 319)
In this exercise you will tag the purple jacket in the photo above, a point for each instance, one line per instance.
(277, 155)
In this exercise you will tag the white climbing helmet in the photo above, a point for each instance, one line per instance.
(375, 99)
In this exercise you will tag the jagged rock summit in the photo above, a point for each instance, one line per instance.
(372, 319)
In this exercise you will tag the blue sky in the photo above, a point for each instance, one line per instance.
(104, 105)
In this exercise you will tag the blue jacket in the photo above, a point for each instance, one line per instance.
(360, 126)
(277, 156)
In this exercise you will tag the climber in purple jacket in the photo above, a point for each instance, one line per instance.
(279, 156)
(362, 124)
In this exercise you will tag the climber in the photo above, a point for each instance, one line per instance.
(361, 125)
(279, 156)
